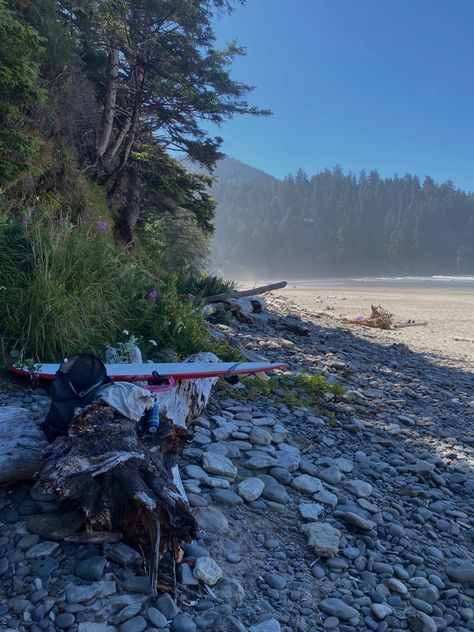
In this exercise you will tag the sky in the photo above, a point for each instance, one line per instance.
(385, 84)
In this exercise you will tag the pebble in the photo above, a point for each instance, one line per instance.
(251, 488)
(207, 570)
(307, 484)
(270, 625)
(338, 608)
(323, 538)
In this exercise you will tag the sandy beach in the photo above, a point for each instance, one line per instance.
(448, 310)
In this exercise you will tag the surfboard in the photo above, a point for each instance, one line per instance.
(176, 370)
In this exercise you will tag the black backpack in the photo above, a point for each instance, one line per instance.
(77, 381)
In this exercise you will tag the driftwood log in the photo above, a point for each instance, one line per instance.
(125, 480)
(218, 298)
(21, 445)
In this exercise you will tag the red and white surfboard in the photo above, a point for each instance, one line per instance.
(176, 370)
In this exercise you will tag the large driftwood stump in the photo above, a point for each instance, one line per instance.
(126, 480)
(21, 445)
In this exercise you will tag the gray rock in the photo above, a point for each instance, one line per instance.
(207, 570)
(331, 475)
(360, 489)
(183, 623)
(218, 464)
(260, 436)
(276, 493)
(91, 568)
(261, 461)
(251, 488)
(288, 457)
(381, 610)
(354, 520)
(156, 618)
(55, 526)
(325, 497)
(322, 538)
(397, 586)
(136, 583)
(64, 620)
(137, 624)
(226, 497)
(42, 549)
(270, 625)
(307, 484)
(167, 606)
(275, 581)
(79, 594)
(421, 622)
(231, 591)
(211, 519)
(338, 608)
(193, 550)
(126, 613)
(460, 570)
(310, 511)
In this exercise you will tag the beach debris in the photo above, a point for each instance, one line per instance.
(126, 481)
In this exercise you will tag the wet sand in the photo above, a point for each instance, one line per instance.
(449, 312)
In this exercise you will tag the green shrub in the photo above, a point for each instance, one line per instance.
(66, 288)
(204, 285)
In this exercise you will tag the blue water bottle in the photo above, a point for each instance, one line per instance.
(154, 419)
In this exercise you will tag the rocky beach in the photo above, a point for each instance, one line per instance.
(352, 515)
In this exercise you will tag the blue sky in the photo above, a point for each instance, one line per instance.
(386, 84)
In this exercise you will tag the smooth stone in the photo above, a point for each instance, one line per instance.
(211, 519)
(381, 610)
(338, 608)
(79, 594)
(270, 625)
(207, 570)
(193, 550)
(421, 622)
(323, 538)
(354, 520)
(156, 618)
(251, 488)
(307, 484)
(310, 511)
(218, 464)
(137, 583)
(331, 475)
(359, 488)
(42, 549)
(64, 620)
(183, 623)
(261, 462)
(288, 457)
(397, 586)
(231, 591)
(275, 581)
(281, 475)
(91, 568)
(226, 497)
(55, 526)
(260, 436)
(460, 570)
(137, 624)
(276, 493)
(325, 497)
(167, 606)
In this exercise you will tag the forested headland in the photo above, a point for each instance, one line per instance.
(102, 228)
(339, 224)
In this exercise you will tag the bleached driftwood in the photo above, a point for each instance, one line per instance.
(217, 298)
(21, 444)
(126, 480)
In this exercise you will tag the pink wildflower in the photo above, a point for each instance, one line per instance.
(102, 225)
(153, 294)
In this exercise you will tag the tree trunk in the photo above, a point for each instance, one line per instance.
(126, 480)
(108, 113)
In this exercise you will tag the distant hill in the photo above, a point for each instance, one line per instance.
(336, 223)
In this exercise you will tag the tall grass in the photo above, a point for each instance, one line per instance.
(64, 288)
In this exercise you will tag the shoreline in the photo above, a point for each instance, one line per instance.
(449, 313)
